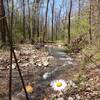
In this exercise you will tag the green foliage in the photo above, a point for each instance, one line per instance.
(18, 37)
(18, 32)
(68, 49)
(79, 28)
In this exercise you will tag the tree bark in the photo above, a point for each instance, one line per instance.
(45, 27)
(24, 35)
(2, 23)
(29, 27)
(99, 13)
(69, 22)
(52, 37)
(79, 10)
(90, 24)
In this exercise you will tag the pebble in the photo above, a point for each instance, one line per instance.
(69, 62)
(39, 64)
(50, 57)
(69, 59)
(59, 45)
(70, 98)
(46, 75)
(13, 66)
(78, 97)
(46, 63)
(2, 68)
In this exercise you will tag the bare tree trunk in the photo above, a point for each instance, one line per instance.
(2, 23)
(69, 21)
(37, 3)
(56, 28)
(10, 32)
(38, 22)
(59, 19)
(33, 22)
(24, 35)
(79, 10)
(46, 16)
(8, 13)
(29, 28)
(52, 37)
(90, 24)
(11, 18)
(99, 13)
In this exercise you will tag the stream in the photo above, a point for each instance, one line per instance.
(62, 63)
(58, 68)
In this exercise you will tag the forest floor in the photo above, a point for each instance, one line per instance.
(42, 64)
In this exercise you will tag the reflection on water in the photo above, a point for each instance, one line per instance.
(61, 56)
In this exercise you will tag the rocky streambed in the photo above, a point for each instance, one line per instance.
(38, 67)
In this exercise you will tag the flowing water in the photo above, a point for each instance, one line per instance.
(58, 67)
(62, 63)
